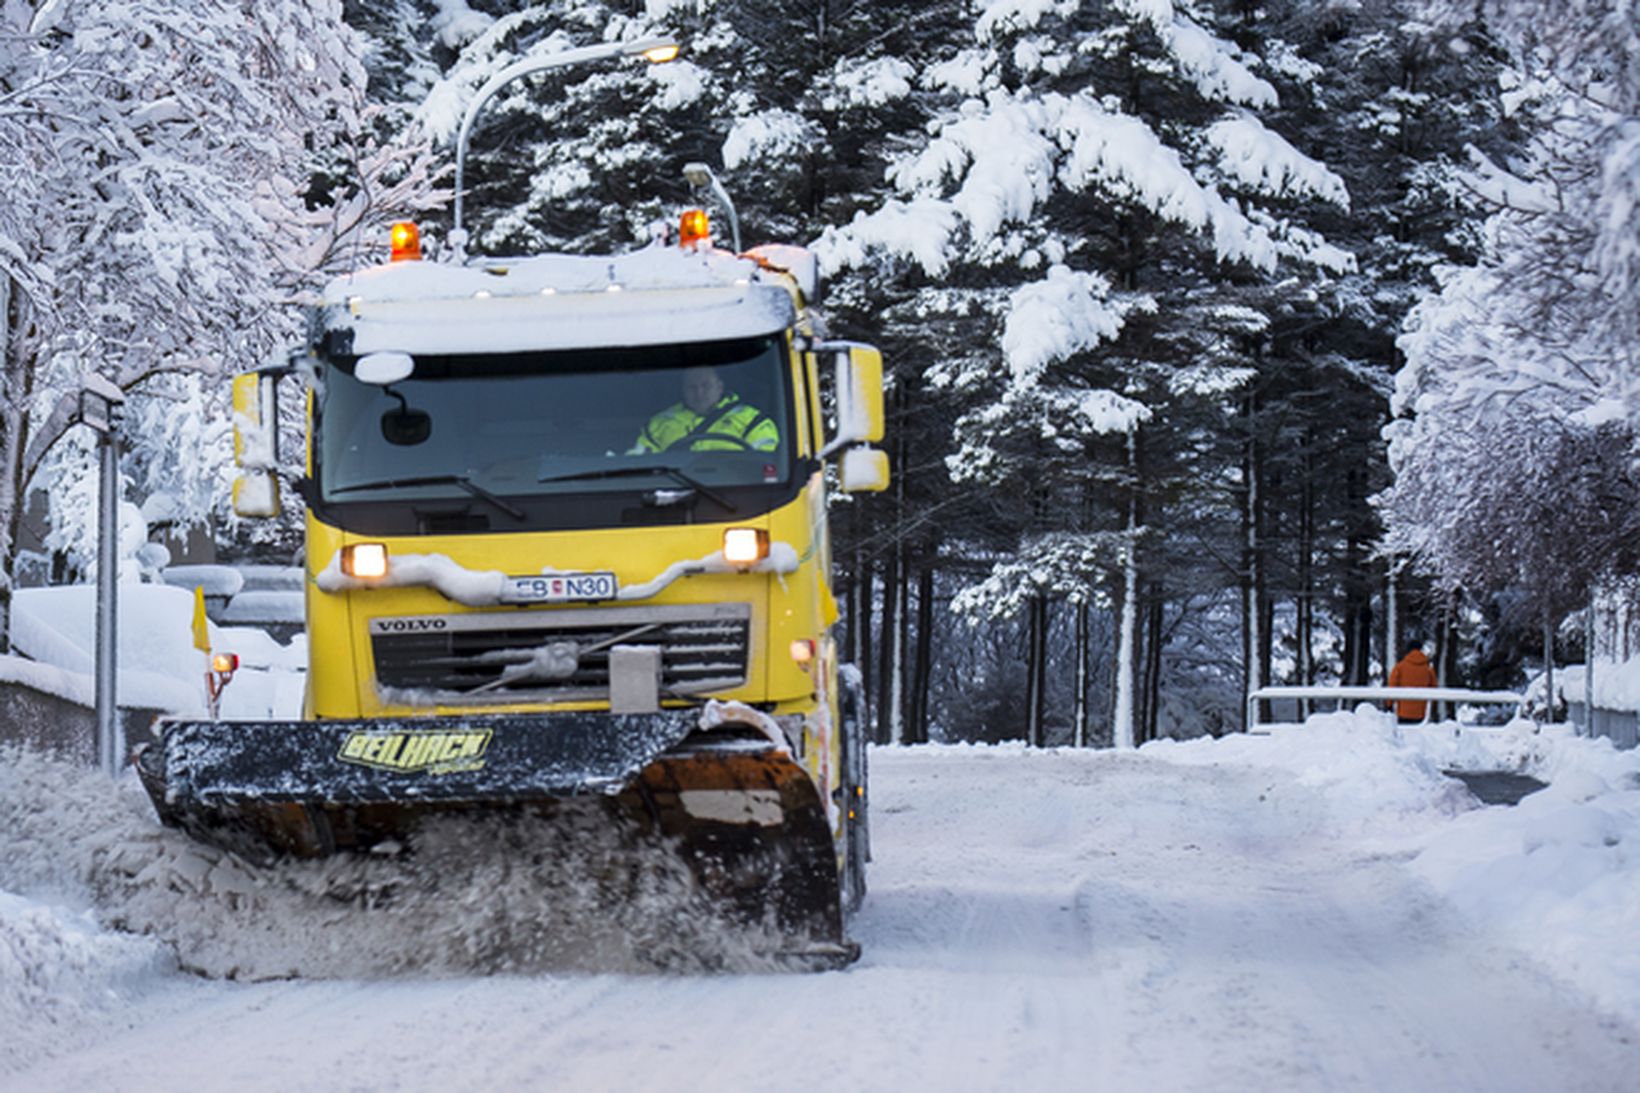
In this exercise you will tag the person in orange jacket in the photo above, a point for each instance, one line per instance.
(1412, 670)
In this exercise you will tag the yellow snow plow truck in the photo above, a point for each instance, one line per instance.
(566, 547)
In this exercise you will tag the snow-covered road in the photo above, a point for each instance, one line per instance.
(1037, 920)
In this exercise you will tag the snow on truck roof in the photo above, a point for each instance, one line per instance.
(499, 305)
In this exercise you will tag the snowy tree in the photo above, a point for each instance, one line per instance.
(1103, 173)
(1391, 101)
(1059, 220)
(160, 159)
(1519, 393)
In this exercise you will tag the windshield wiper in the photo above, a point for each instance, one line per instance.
(676, 473)
(439, 480)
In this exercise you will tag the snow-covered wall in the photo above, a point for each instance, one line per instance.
(54, 630)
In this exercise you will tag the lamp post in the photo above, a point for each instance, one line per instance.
(100, 406)
(700, 176)
(654, 50)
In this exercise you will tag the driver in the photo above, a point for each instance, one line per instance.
(709, 419)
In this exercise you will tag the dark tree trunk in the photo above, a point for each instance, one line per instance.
(1036, 669)
(1150, 686)
(899, 699)
(1357, 615)
(1255, 626)
(917, 725)
(1446, 653)
(1084, 690)
(1549, 667)
(1305, 622)
(865, 598)
(17, 375)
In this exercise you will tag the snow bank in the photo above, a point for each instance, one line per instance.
(1377, 777)
(59, 968)
(1559, 874)
(76, 687)
(1616, 686)
(1556, 876)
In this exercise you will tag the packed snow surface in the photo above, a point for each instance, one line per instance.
(1317, 908)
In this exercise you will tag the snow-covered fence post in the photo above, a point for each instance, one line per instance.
(100, 403)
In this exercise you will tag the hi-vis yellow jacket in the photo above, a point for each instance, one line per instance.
(730, 426)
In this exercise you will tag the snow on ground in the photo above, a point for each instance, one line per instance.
(1557, 876)
(1315, 908)
(58, 969)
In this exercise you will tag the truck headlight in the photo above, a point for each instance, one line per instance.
(365, 560)
(745, 546)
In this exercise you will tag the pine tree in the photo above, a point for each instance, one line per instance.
(1101, 176)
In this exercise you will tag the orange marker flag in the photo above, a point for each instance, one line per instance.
(202, 628)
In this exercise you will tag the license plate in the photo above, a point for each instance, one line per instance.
(561, 588)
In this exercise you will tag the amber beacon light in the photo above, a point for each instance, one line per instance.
(405, 239)
(694, 229)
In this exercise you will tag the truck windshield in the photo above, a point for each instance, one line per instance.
(553, 424)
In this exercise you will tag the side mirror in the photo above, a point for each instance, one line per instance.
(255, 445)
(256, 494)
(859, 377)
(863, 470)
(381, 369)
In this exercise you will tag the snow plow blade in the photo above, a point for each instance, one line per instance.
(738, 809)
(448, 759)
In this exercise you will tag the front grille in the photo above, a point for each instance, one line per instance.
(555, 656)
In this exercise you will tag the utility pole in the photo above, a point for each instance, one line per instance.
(100, 407)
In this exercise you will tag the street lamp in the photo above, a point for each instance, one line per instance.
(700, 176)
(100, 404)
(654, 50)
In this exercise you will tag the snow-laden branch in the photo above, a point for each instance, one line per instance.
(1264, 161)
(1056, 318)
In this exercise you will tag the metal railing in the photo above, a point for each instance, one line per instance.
(1431, 695)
